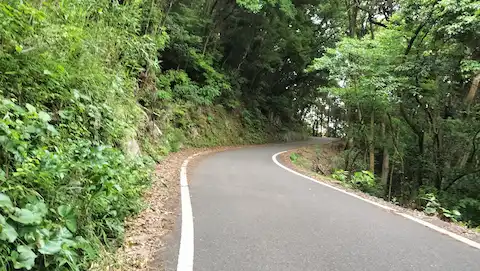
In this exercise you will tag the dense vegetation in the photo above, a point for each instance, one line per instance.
(403, 93)
(93, 92)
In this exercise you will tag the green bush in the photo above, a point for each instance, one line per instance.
(294, 157)
(470, 209)
(364, 180)
(434, 207)
(60, 201)
(340, 175)
(66, 105)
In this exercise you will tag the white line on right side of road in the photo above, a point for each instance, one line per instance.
(424, 223)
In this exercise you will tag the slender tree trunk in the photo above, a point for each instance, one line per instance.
(321, 123)
(170, 4)
(352, 11)
(371, 144)
(390, 184)
(386, 158)
(328, 122)
(421, 149)
(437, 160)
(473, 89)
(207, 40)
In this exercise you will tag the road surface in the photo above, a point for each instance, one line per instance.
(251, 214)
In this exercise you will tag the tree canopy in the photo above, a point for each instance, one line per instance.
(408, 87)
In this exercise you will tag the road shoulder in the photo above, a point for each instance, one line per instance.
(444, 227)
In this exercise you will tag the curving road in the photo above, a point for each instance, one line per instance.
(251, 214)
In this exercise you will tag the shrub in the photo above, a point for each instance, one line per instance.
(294, 157)
(340, 175)
(364, 180)
(60, 201)
(433, 207)
(470, 209)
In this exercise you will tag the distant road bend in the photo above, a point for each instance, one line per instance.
(251, 214)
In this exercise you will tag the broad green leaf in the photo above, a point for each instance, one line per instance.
(30, 108)
(23, 257)
(7, 231)
(18, 48)
(430, 211)
(44, 116)
(65, 210)
(26, 216)
(64, 233)
(71, 224)
(52, 129)
(5, 201)
(51, 247)
(38, 207)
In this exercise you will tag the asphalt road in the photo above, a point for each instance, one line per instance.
(250, 214)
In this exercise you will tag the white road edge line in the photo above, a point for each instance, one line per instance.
(424, 223)
(185, 253)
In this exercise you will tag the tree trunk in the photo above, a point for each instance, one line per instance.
(328, 123)
(421, 149)
(473, 89)
(390, 183)
(352, 11)
(371, 145)
(314, 128)
(321, 123)
(170, 4)
(386, 158)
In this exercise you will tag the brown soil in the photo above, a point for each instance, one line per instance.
(305, 168)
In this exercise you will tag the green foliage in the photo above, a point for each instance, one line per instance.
(405, 88)
(340, 175)
(257, 5)
(433, 207)
(364, 180)
(294, 157)
(470, 210)
(60, 200)
(66, 101)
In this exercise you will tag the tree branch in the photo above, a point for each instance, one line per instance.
(419, 29)
(370, 16)
(474, 149)
(409, 121)
(370, 19)
(460, 177)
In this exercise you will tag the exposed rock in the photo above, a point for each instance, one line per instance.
(194, 132)
(132, 148)
(154, 130)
